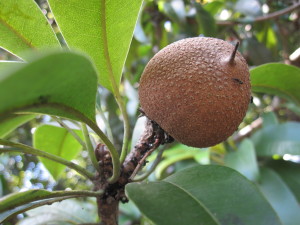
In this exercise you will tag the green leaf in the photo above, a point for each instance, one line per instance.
(277, 79)
(289, 173)
(175, 10)
(20, 198)
(31, 205)
(280, 197)
(16, 203)
(206, 21)
(258, 53)
(23, 26)
(178, 153)
(213, 7)
(61, 83)
(244, 160)
(4, 65)
(57, 141)
(269, 118)
(293, 107)
(266, 34)
(11, 124)
(96, 26)
(203, 195)
(278, 139)
(68, 212)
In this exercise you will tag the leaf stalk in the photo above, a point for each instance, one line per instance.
(89, 147)
(29, 150)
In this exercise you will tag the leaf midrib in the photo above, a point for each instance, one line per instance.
(60, 150)
(23, 39)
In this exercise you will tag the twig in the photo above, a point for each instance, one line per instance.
(231, 59)
(152, 168)
(29, 150)
(248, 130)
(108, 203)
(262, 18)
(152, 137)
(141, 162)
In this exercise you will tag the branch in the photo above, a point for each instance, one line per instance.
(29, 150)
(151, 139)
(152, 168)
(262, 18)
(248, 130)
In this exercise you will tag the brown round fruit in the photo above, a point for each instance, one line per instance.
(197, 90)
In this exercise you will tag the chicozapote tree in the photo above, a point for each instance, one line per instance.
(195, 91)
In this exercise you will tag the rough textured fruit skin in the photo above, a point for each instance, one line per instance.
(192, 91)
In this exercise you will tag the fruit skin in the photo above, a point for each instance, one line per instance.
(194, 93)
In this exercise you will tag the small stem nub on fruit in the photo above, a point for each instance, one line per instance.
(231, 59)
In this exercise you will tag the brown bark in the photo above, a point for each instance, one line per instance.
(108, 210)
(108, 203)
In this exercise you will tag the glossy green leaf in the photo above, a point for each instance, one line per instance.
(178, 153)
(20, 198)
(4, 65)
(269, 118)
(97, 25)
(277, 79)
(289, 173)
(213, 7)
(278, 139)
(206, 21)
(9, 125)
(57, 141)
(267, 35)
(68, 212)
(23, 26)
(17, 203)
(203, 195)
(61, 83)
(280, 197)
(258, 53)
(244, 160)
(31, 205)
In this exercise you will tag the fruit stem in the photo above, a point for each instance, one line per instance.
(152, 168)
(231, 59)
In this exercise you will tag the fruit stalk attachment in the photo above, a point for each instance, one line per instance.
(152, 137)
(232, 57)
